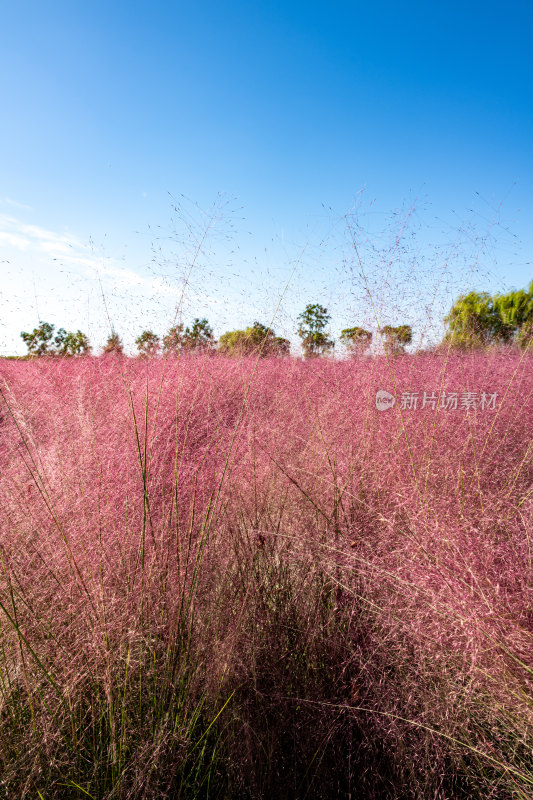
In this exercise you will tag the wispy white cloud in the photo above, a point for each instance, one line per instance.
(8, 201)
(68, 250)
(36, 236)
(54, 275)
(14, 240)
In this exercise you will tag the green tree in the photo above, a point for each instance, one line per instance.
(356, 340)
(71, 344)
(395, 339)
(114, 345)
(524, 338)
(514, 312)
(312, 331)
(472, 321)
(258, 340)
(173, 340)
(236, 343)
(147, 344)
(41, 341)
(478, 319)
(199, 337)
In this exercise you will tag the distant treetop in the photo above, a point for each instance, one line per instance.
(356, 340)
(41, 342)
(478, 319)
(312, 331)
(113, 345)
(258, 340)
(395, 339)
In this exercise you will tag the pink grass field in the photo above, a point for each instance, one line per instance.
(252, 548)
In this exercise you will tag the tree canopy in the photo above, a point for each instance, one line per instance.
(197, 338)
(475, 320)
(147, 344)
(313, 322)
(41, 341)
(113, 345)
(258, 340)
(478, 319)
(356, 340)
(396, 338)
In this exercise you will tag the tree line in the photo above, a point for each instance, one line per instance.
(476, 320)
(479, 319)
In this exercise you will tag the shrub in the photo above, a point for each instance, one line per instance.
(356, 340)
(395, 339)
(257, 340)
(113, 345)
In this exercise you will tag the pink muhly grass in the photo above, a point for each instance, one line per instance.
(196, 549)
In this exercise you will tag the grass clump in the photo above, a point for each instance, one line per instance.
(236, 578)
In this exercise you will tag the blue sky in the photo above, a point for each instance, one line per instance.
(274, 135)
